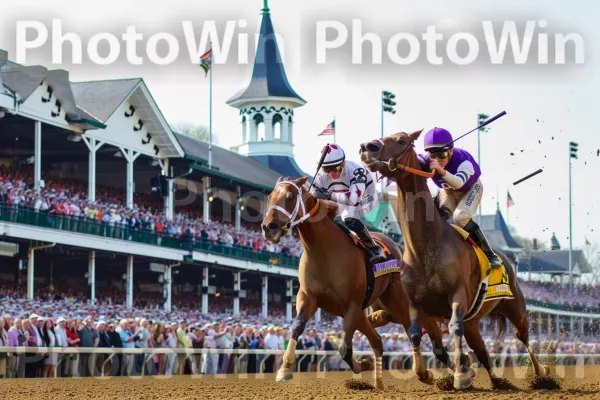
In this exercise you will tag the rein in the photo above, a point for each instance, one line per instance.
(394, 164)
(299, 203)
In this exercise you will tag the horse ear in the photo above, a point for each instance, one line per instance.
(279, 179)
(302, 181)
(415, 135)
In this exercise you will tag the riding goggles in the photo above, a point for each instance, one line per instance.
(439, 154)
(337, 168)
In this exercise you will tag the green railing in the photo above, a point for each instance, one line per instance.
(27, 216)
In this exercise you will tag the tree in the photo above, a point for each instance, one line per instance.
(199, 132)
(528, 244)
(592, 254)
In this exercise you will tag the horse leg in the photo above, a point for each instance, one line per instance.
(306, 306)
(367, 329)
(435, 334)
(475, 341)
(462, 375)
(517, 315)
(349, 326)
(414, 335)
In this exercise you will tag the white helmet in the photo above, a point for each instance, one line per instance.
(335, 155)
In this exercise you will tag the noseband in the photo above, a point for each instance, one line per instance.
(299, 203)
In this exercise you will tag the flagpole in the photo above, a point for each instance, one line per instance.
(210, 112)
(334, 129)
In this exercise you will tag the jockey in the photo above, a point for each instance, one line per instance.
(457, 176)
(351, 186)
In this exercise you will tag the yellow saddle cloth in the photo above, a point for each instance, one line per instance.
(494, 282)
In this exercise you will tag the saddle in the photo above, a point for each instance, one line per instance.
(387, 265)
(494, 283)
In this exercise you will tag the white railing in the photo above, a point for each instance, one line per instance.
(579, 360)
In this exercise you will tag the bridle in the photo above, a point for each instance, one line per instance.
(394, 163)
(292, 221)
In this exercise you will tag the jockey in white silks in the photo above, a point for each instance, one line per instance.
(352, 187)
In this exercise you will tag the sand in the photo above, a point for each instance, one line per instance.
(581, 384)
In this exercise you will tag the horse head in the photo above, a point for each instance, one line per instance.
(391, 155)
(286, 207)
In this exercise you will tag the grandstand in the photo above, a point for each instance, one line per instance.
(101, 202)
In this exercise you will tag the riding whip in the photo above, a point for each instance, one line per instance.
(489, 121)
(528, 176)
(324, 153)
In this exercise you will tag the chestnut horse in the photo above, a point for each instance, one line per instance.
(332, 275)
(441, 270)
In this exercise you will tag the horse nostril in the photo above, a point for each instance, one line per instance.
(373, 147)
(272, 226)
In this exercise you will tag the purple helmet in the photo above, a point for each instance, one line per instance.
(437, 138)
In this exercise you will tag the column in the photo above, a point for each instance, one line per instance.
(167, 288)
(237, 282)
(549, 317)
(265, 296)
(169, 198)
(581, 326)
(30, 273)
(205, 202)
(93, 145)
(244, 129)
(289, 292)
(269, 132)
(557, 324)
(130, 157)
(37, 153)
(318, 315)
(92, 275)
(540, 323)
(205, 290)
(291, 130)
(571, 324)
(285, 130)
(129, 283)
(253, 131)
(238, 211)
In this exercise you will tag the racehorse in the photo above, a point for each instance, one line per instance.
(442, 271)
(333, 276)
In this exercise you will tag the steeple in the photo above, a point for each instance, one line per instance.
(267, 103)
(268, 77)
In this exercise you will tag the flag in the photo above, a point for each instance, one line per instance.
(509, 200)
(330, 130)
(206, 61)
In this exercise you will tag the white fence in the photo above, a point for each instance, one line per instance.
(405, 358)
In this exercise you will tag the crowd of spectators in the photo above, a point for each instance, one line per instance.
(69, 198)
(582, 298)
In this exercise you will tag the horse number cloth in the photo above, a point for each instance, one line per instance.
(494, 282)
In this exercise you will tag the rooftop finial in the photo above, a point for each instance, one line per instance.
(265, 9)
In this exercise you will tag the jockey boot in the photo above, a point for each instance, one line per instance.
(365, 237)
(480, 240)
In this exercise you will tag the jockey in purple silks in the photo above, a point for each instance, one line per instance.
(457, 176)
(351, 186)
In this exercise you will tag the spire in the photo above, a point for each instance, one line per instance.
(268, 77)
(265, 9)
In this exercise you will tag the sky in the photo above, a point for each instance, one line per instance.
(547, 105)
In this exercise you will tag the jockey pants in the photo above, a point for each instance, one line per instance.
(463, 205)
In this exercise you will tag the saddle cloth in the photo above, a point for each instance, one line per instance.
(494, 283)
(388, 265)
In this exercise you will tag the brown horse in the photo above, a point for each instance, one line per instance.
(441, 270)
(332, 277)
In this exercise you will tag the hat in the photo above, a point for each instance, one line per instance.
(60, 319)
(34, 315)
(437, 138)
(100, 323)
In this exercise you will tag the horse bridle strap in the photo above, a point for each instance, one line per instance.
(299, 203)
(395, 162)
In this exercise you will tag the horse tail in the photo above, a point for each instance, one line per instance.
(500, 321)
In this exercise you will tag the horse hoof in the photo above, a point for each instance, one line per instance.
(472, 373)
(428, 379)
(379, 384)
(284, 375)
(463, 381)
(544, 371)
(366, 365)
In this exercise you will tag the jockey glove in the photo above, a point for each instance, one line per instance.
(322, 193)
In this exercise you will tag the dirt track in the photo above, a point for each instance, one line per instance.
(304, 386)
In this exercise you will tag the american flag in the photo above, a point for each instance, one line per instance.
(330, 130)
(509, 200)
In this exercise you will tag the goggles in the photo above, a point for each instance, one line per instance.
(439, 154)
(337, 168)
